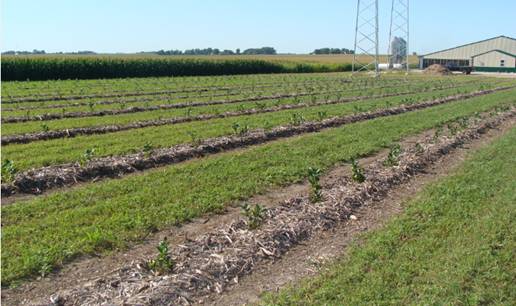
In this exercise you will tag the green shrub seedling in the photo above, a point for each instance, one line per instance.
(148, 148)
(254, 215)
(8, 170)
(357, 172)
(87, 156)
(393, 156)
(194, 138)
(163, 263)
(452, 128)
(438, 132)
(314, 175)
(419, 149)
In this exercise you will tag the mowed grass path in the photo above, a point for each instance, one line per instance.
(455, 245)
(57, 151)
(49, 230)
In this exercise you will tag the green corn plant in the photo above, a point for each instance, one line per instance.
(314, 176)
(163, 263)
(45, 269)
(45, 127)
(393, 156)
(244, 129)
(322, 115)
(357, 108)
(296, 119)
(240, 129)
(260, 105)
(255, 215)
(8, 171)
(236, 127)
(91, 105)
(357, 172)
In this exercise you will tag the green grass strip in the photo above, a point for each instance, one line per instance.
(49, 230)
(453, 246)
(57, 151)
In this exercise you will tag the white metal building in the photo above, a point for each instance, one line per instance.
(494, 58)
(494, 54)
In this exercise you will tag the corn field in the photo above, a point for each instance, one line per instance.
(34, 68)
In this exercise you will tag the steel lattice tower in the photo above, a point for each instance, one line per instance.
(366, 37)
(399, 34)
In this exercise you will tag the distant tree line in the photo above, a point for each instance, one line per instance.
(215, 51)
(35, 51)
(207, 51)
(333, 51)
(197, 51)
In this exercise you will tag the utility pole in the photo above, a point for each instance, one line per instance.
(399, 34)
(366, 38)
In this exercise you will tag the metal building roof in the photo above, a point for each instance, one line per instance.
(496, 50)
(502, 43)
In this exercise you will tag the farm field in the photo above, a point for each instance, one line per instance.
(62, 67)
(455, 244)
(96, 167)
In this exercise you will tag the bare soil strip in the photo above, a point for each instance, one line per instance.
(138, 109)
(73, 132)
(213, 261)
(36, 181)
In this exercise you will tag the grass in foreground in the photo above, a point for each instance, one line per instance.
(47, 231)
(453, 246)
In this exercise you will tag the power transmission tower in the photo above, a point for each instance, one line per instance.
(366, 38)
(399, 35)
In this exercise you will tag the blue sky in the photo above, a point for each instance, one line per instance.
(295, 26)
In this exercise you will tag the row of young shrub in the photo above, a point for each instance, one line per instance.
(55, 68)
